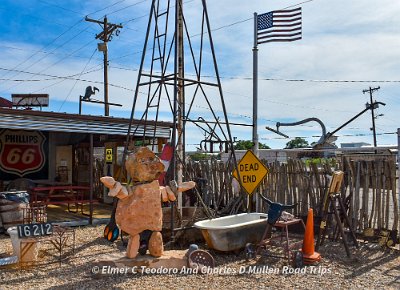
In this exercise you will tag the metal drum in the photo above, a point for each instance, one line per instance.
(12, 205)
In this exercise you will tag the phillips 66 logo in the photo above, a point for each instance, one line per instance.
(21, 151)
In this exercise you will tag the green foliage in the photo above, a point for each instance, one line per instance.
(248, 144)
(321, 161)
(297, 142)
(263, 146)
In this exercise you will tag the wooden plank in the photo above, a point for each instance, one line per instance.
(394, 197)
(379, 195)
(372, 175)
(356, 197)
(364, 174)
(387, 193)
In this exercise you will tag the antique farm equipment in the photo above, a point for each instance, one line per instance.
(326, 139)
(267, 243)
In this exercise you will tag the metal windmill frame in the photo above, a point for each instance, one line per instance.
(171, 87)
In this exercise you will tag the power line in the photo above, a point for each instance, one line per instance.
(241, 115)
(50, 78)
(58, 60)
(309, 80)
(79, 13)
(60, 7)
(280, 79)
(136, 18)
(35, 53)
(294, 5)
(80, 20)
(109, 6)
(331, 81)
(126, 7)
(70, 91)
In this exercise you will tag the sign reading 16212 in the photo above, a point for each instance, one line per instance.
(251, 171)
(34, 230)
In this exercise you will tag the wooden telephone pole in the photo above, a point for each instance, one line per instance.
(105, 36)
(373, 107)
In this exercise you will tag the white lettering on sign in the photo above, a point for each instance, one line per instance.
(21, 152)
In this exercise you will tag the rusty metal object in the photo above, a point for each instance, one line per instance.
(201, 259)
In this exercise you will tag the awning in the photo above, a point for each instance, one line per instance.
(73, 123)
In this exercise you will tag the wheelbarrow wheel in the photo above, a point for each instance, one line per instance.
(250, 251)
(298, 261)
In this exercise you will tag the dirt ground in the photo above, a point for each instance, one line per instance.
(371, 267)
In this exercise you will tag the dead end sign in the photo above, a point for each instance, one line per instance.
(251, 170)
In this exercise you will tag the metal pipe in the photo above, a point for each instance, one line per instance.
(91, 161)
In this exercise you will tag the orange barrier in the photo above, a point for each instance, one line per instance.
(309, 255)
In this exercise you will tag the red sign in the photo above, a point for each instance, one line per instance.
(21, 151)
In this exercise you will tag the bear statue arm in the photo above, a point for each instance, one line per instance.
(115, 187)
(167, 194)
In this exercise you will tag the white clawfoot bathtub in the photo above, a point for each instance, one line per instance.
(232, 233)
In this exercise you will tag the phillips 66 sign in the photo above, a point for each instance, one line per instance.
(21, 152)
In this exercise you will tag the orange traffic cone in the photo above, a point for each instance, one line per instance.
(309, 255)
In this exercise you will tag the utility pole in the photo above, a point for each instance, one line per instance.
(180, 96)
(105, 36)
(373, 106)
(255, 108)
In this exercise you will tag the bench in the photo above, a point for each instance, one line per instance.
(76, 195)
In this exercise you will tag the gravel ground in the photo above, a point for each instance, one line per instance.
(370, 267)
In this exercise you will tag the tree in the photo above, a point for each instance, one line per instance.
(297, 142)
(248, 144)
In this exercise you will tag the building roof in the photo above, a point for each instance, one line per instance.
(5, 103)
(74, 123)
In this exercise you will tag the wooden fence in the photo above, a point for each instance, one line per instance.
(369, 189)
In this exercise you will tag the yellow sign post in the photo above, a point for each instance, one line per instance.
(251, 170)
(109, 155)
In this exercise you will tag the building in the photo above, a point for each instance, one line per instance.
(354, 145)
(49, 147)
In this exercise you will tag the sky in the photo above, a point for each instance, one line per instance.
(346, 47)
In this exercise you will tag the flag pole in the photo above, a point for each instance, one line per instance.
(255, 104)
(255, 87)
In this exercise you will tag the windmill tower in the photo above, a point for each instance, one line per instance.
(179, 82)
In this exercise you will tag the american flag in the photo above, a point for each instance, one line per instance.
(279, 26)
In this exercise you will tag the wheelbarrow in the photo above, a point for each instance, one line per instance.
(291, 250)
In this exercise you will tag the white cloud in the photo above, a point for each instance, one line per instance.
(342, 40)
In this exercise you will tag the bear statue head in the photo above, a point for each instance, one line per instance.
(143, 165)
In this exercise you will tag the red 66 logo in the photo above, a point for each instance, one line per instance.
(21, 151)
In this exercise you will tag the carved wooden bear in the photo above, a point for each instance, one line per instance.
(139, 206)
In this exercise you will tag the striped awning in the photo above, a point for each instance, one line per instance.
(73, 123)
